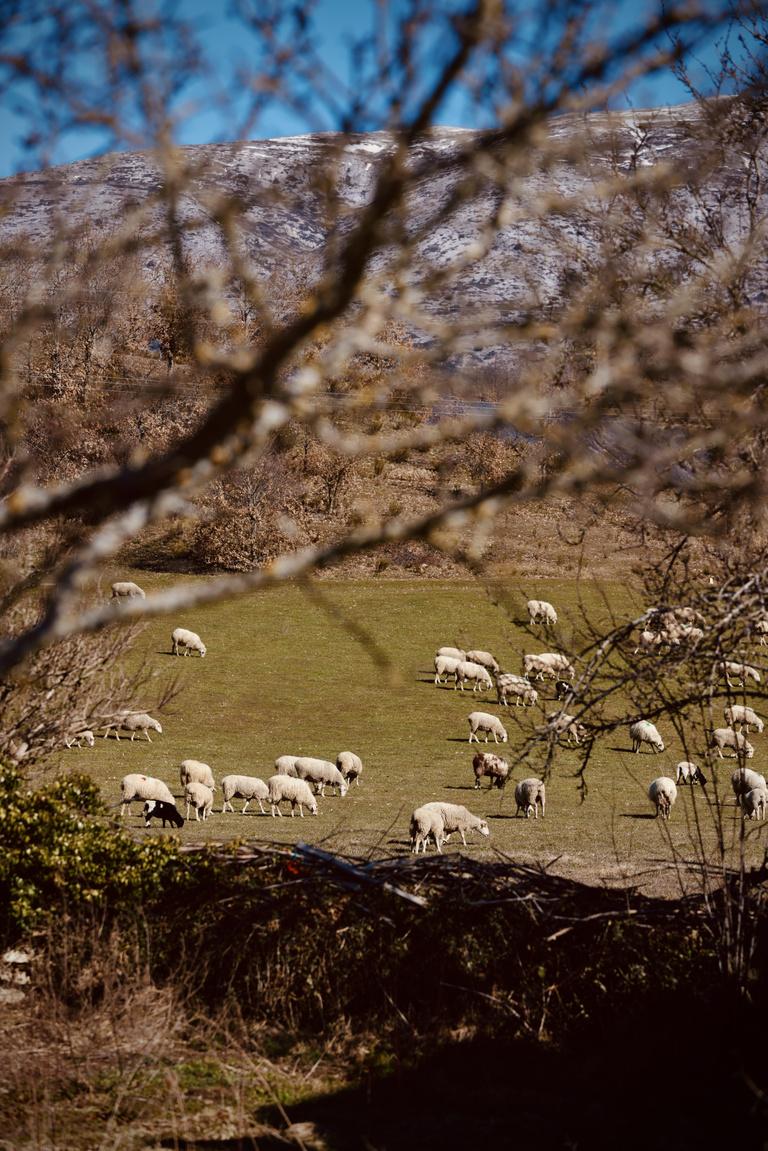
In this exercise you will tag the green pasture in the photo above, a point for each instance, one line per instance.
(288, 673)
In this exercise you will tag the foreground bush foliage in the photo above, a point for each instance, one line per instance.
(62, 855)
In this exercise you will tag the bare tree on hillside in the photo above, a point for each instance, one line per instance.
(650, 287)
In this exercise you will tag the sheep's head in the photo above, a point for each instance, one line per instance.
(483, 828)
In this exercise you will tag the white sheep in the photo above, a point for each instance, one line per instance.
(82, 737)
(350, 766)
(445, 665)
(134, 722)
(484, 658)
(662, 793)
(688, 772)
(475, 673)
(126, 589)
(245, 787)
(142, 787)
(643, 731)
(451, 652)
(137, 723)
(567, 725)
(199, 797)
(761, 628)
(484, 721)
(739, 716)
(530, 795)
(550, 663)
(193, 771)
(183, 639)
(648, 641)
(426, 821)
(539, 611)
(516, 685)
(744, 779)
(286, 765)
(322, 773)
(753, 803)
(723, 737)
(739, 672)
(497, 769)
(456, 817)
(296, 791)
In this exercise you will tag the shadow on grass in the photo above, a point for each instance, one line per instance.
(464, 1094)
(639, 815)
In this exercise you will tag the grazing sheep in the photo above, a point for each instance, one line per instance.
(739, 672)
(161, 809)
(688, 772)
(245, 787)
(322, 773)
(456, 817)
(134, 722)
(723, 737)
(83, 737)
(539, 611)
(517, 686)
(452, 653)
(476, 673)
(445, 665)
(188, 641)
(484, 721)
(567, 725)
(753, 803)
(199, 797)
(496, 768)
(744, 779)
(138, 723)
(484, 658)
(648, 641)
(350, 766)
(761, 628)
(662, 794)
(193, 771)
(530, 795)
(296, 791)
(550, 663)
(643, 731)
(426, 821)
(126, 589)
(286, 765)
(142, 787)
(738, 715)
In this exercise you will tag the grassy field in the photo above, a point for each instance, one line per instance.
(286, 674)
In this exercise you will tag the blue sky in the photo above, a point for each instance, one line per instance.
(214, 108)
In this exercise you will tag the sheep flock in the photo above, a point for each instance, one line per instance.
(522, 686)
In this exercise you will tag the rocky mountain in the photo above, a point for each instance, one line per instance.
(286, 222)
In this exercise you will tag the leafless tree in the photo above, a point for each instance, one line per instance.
(636, 344)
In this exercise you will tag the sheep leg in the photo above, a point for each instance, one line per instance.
(245, 806)
(147, 735)
(261, 807)
(463, 840)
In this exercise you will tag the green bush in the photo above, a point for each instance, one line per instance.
(62, 854)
